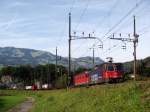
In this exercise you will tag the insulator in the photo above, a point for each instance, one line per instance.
(124, 47)
(89, 35)
(93, 33)
(136, 35)
(128, 35)
(120, 34)
(100, 46)
(113, 35)
(114, 45)
(74, 33)
(82, 33)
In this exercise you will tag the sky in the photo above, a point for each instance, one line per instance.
(43, 25)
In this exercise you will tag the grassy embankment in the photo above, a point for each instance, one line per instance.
(7, 101)
(123, 97)
(10, 98)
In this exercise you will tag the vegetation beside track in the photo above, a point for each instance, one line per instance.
(122, 97)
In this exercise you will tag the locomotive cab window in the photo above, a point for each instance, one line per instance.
(119, 67)
(110, 68)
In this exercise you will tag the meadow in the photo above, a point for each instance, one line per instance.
(129, 96)
(7, 101)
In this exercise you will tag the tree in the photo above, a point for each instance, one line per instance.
(80, 69)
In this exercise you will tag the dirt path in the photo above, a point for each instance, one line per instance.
(23, 107)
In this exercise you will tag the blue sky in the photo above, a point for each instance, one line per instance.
(43, 25)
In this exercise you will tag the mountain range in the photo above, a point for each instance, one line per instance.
(23, 56)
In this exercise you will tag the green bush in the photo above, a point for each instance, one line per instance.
(146, 72)
(61, 82)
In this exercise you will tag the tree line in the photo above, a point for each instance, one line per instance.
(29, 75)
(143, 67)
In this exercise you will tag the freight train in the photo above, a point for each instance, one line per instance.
(106, 72)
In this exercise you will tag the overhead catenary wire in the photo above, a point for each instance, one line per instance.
(61, 34)
(72, 6)
(104, 18)
(121, 20)
(110, 48)
(80, 18)
(145, 31)
(129, 13)
(142, 9)
(87, 5)
(82, 14)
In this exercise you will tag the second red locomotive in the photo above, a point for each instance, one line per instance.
(107, 72)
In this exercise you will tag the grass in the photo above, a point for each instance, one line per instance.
(10, 98)
(123, 97)
(7, 102)
(103, 98)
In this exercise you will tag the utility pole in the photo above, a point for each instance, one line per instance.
(69, 67)
(93, 51)
(93, 58)
(56, 66)
(48, 74)
(135, 41)
(75, 38)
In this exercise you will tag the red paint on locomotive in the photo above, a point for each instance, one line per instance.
(110, 72)
(81, 78)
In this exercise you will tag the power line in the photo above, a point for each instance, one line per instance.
(121, 20)
(104, 18)
(145, 30)
(81, 46)
(72, 5)
(135, 41)
(80, 18)
(85, 11)
(65, 24)
(75, 37)
(110, 48)
(124, 17)
(142, 9)
(82, 14)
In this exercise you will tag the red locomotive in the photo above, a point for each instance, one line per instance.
(82, 78)
(107, 72)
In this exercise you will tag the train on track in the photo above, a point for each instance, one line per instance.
(106, 72)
